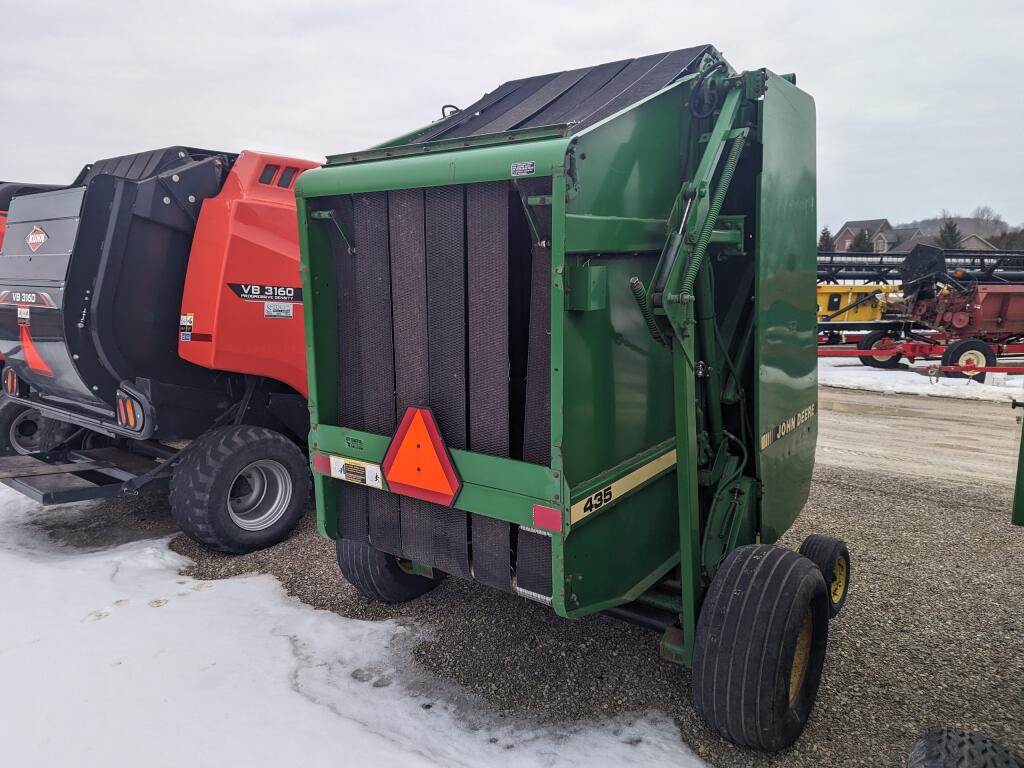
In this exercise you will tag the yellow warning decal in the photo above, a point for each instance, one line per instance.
(607, 494)
(355, 471)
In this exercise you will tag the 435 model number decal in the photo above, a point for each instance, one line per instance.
(604, 496)
(597, 500)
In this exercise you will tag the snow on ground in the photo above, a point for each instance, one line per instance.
(111, 658)
(849, 373)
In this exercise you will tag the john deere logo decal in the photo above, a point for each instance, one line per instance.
(35, 238)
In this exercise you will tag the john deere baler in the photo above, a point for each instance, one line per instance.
(562, 343)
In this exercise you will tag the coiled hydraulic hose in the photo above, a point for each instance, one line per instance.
(699, 251)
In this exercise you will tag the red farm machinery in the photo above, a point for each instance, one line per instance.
(964, 309)
(151, 324)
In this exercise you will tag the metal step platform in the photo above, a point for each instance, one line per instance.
(80, 475)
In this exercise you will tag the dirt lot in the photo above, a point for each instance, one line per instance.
(932, 633)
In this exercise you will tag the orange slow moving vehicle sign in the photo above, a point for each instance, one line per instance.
(417, 463)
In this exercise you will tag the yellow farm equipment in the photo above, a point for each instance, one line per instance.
(852, 303)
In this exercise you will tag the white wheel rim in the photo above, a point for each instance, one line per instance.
(972, 357)
(259, 495)
(880, 344)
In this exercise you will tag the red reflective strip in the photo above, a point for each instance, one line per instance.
(322, 463)
(120, 411)
(546, 518)
(32, 357)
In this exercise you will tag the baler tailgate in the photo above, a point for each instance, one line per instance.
(444, 308)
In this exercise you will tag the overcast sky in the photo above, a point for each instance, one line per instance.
(920, 104)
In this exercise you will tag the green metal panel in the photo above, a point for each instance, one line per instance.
(487, 163)
(618, 381)
(318, 289)
(785, 351)
(627, 168)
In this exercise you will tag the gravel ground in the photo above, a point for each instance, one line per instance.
(931, 633)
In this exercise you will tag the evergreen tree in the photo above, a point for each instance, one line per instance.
(949, 235)
(860, 243)
(825, 242)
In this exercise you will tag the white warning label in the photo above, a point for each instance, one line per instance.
(278, 309)
(526, 168)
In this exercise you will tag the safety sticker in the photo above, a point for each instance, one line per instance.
(358, 472)
(23, 316)
(278, 309)
(185, 326)
(263, 292)
(526, 168)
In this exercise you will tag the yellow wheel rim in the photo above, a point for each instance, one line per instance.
(839, 574)
(801, 657)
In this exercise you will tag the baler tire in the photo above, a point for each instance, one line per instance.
(204, 481)
(832, 557)
(379, 575)
(760, 646)
(953, 748)
(954, 354)
(21, 428)
(869, 342)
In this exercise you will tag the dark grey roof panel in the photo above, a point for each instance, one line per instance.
(582, 96)
(144, 164)
(11, 189)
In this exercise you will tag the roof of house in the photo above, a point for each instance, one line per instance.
(906, 245)
(986, 245)
(899, 234)
(872, 226)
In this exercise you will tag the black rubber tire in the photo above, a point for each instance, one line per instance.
(955, 352)
(202, 482)
(380, 576)
(868, 342)
(761, 602)
(833, 560)
(953, 748)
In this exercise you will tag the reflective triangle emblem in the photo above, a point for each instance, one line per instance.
(417, 462)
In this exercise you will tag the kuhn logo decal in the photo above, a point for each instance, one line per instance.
(35, 238)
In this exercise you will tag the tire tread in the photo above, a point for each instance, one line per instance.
(195, 480)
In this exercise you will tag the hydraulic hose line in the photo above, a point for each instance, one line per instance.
(700, 250)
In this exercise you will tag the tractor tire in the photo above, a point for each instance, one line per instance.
(953, 748)
(873, 341)
(972, 350)
(379, 576)
(24, 431)
(760, 646)
(833, 560)
(240, 488)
